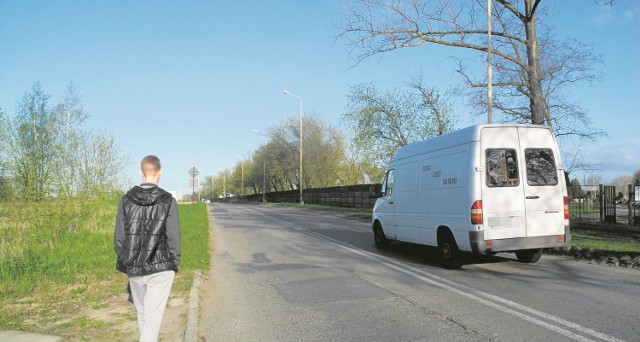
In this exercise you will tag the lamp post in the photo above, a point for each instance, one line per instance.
(489, 72)
(286, 92)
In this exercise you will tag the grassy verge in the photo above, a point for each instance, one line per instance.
(606, 237)
(58, 267)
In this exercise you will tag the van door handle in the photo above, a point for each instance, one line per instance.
(532, 197)
(390, 202)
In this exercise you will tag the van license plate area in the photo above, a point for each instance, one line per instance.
(505, 222)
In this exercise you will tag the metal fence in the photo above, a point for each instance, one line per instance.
(352, 196)
(597, 203)
(584, 202)
(601, 203)
(634, 204)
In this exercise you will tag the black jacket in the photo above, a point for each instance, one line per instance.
(147, 231)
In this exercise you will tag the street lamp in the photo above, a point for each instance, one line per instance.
(286, 92)
(489, 72)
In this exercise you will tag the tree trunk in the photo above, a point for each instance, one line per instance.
(536, 100)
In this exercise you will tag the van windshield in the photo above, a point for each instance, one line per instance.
(541, 167)
(502, 167)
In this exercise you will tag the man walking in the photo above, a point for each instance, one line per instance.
(147, 242)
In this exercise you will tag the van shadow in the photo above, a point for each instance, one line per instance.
(430, 256)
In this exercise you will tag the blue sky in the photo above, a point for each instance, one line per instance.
(191, 81)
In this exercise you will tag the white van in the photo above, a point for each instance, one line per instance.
(482, 189)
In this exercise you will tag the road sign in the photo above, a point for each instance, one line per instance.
(193, 172)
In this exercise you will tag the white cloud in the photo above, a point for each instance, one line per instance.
(615, 157)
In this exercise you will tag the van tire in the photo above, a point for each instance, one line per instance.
(529, 256)
(449, 252)
(380, 239)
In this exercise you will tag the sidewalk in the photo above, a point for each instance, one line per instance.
(16, 336)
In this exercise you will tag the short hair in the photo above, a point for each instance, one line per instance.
(150, 164)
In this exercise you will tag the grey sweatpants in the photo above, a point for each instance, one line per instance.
(150, 295)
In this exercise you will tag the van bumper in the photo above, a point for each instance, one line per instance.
(480, 245)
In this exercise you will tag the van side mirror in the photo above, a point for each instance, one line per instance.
(373, 192)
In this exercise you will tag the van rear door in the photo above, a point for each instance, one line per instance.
(543, 182)
(503, 200)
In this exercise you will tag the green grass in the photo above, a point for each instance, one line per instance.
(58, 259)
(584, 208)
(606, 237)
(195, 236)
(53, 242)
(587, 241)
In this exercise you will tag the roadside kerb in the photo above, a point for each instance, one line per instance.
(191, 332)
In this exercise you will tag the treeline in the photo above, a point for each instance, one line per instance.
(376, 123)
(274, 166)
(47, 152)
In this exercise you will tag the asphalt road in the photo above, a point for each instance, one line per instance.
(290, 274)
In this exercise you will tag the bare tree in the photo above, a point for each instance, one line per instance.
(531, 68)
(25, 145)
(384, 121)
(575, 162)
(283, 152)
(359, 168)
(276, 162)
(622, 184)
(324, 154)
(45, 152)
(100, 163)
(594, 179)
(437, 107)
(68, 118)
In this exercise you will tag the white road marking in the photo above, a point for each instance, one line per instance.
(463, 290)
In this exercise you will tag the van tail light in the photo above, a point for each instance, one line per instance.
(566, 207)
(476, 212)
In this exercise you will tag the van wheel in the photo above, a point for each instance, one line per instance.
(381, 240)
(528, 256)
(449, 252)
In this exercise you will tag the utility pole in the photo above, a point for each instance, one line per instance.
(489, 72)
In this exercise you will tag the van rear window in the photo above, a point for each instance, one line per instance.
(502, 167)
(541, 167)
